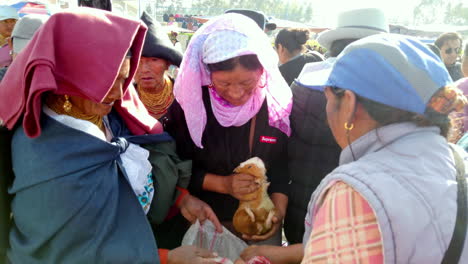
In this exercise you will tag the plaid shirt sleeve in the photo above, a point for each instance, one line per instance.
(345, 230)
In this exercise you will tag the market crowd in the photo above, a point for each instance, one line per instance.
(108, 156)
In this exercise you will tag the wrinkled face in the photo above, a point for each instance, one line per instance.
(116, 92)
(465, 65)
(6, 27)
(335, 117)
(150, 73)
(236, 86)
(450, 51)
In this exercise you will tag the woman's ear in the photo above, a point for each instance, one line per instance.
(279, 47)
(348, 105)
(280, 50)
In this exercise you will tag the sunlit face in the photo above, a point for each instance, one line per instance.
(6, 27)
(450, 51)
(335, 117)
(150, 73)
(236, 86)
(116, 92)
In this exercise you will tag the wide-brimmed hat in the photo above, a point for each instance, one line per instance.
(24, 30)
(355, 24)
(8, 12)
(257, 16)
(395, 70)
(157, 42)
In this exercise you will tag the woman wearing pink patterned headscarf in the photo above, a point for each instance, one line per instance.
(233, 104)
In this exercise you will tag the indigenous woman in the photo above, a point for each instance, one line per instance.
(388, 100)
(233, 104)
(82, 180)
(154, 86)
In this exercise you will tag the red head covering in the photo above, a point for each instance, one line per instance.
(75, 53)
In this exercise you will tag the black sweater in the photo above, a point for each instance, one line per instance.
(224, 148)
(291, 69)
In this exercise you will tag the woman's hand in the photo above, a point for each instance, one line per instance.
(253, 251)
(238, 185)
(191, 255)
(277, 222)
(193, 208)
(275, 254)
(239, 261)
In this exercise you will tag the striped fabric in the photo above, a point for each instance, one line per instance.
(345, 230)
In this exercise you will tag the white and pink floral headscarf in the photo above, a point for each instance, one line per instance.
(228, 36)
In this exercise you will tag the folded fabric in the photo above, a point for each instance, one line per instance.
(74, 201)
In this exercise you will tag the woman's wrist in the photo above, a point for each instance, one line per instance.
(184, 193)
(216, 183)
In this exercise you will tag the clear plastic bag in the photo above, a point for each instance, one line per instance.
(205, 236)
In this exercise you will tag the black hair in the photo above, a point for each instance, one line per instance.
(386, 115)
(99, 4)
(250, 62)
(434, 49)
(338, 46)
(292, 39)
(447, 36)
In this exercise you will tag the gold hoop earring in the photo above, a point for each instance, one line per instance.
(67, 105)
(348, 127)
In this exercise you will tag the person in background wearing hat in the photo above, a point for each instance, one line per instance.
(395, 152)
(450, 46)
(292, 52)
(154, 86)
(8, 18)
(155, 89)
(312, 150)
(22, 33)
(312, 147)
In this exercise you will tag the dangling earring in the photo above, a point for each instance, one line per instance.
(67, 105)
(349, 127)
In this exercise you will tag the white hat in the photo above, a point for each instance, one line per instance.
(24, 30)
(355, 24)
(8, 12)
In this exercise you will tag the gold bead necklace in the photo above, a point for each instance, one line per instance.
(158, 103)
